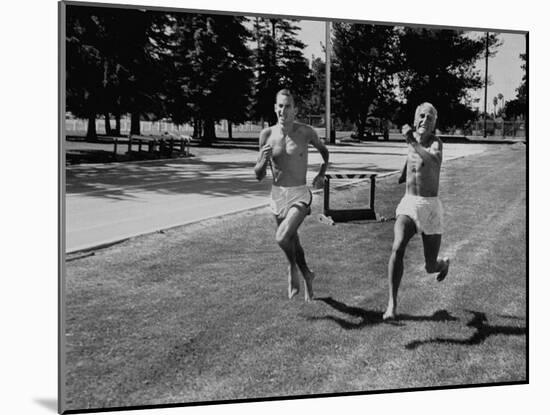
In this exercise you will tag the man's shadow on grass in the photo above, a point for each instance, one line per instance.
(371, 317)
(479, 322)
(483, 331)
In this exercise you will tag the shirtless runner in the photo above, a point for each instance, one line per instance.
(284, 147)
(420, 210)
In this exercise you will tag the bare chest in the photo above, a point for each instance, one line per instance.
(289, 147)
(415, 162)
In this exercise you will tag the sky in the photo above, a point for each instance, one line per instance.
(505, 71)
(313, 34)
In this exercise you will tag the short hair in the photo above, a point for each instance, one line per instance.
(431, 109)
(286, 92)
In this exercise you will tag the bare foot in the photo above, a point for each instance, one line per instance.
(293, 282)
(308, 280)
(390, 313)
(443, 273)
(327, 220)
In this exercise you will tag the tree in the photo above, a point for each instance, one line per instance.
(315, 102)
(366, 60)
(113, 63)
(518, 106)
(140, 50)
(279, 63)
(211, 72)
(84, 68)
(440, 68)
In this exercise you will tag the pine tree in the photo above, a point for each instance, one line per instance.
(518, 106)
(366, 60)
(440, 68)
(279, 63)
(113, 63)
(211, 74)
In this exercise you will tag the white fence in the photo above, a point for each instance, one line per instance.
(497, 128)
(76, 125)
(80, 126)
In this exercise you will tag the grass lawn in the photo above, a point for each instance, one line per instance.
(199, 313)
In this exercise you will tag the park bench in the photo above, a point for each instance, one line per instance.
(155, 146)
(343, 215)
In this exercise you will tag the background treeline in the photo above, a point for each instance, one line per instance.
(202, 68)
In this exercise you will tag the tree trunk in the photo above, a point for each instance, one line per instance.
(197, 130)
(117, 124)
(108, 129)
(134, 124)
(209, 133)
(91, 133)
(230, 129)
(273, 32)
(360, 129)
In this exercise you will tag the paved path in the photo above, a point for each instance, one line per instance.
(106, 203)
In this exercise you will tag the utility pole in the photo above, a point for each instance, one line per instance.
(328, 138)
(486, 82)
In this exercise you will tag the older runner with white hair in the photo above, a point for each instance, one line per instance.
(420, 210)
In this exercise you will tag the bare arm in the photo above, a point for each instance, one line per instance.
(434, 153)
(323, 150)
(264, 155)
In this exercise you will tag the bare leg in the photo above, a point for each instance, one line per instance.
(403, 230)
(286, 233)
(433, 262)
(306, 272)
(293, 281)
